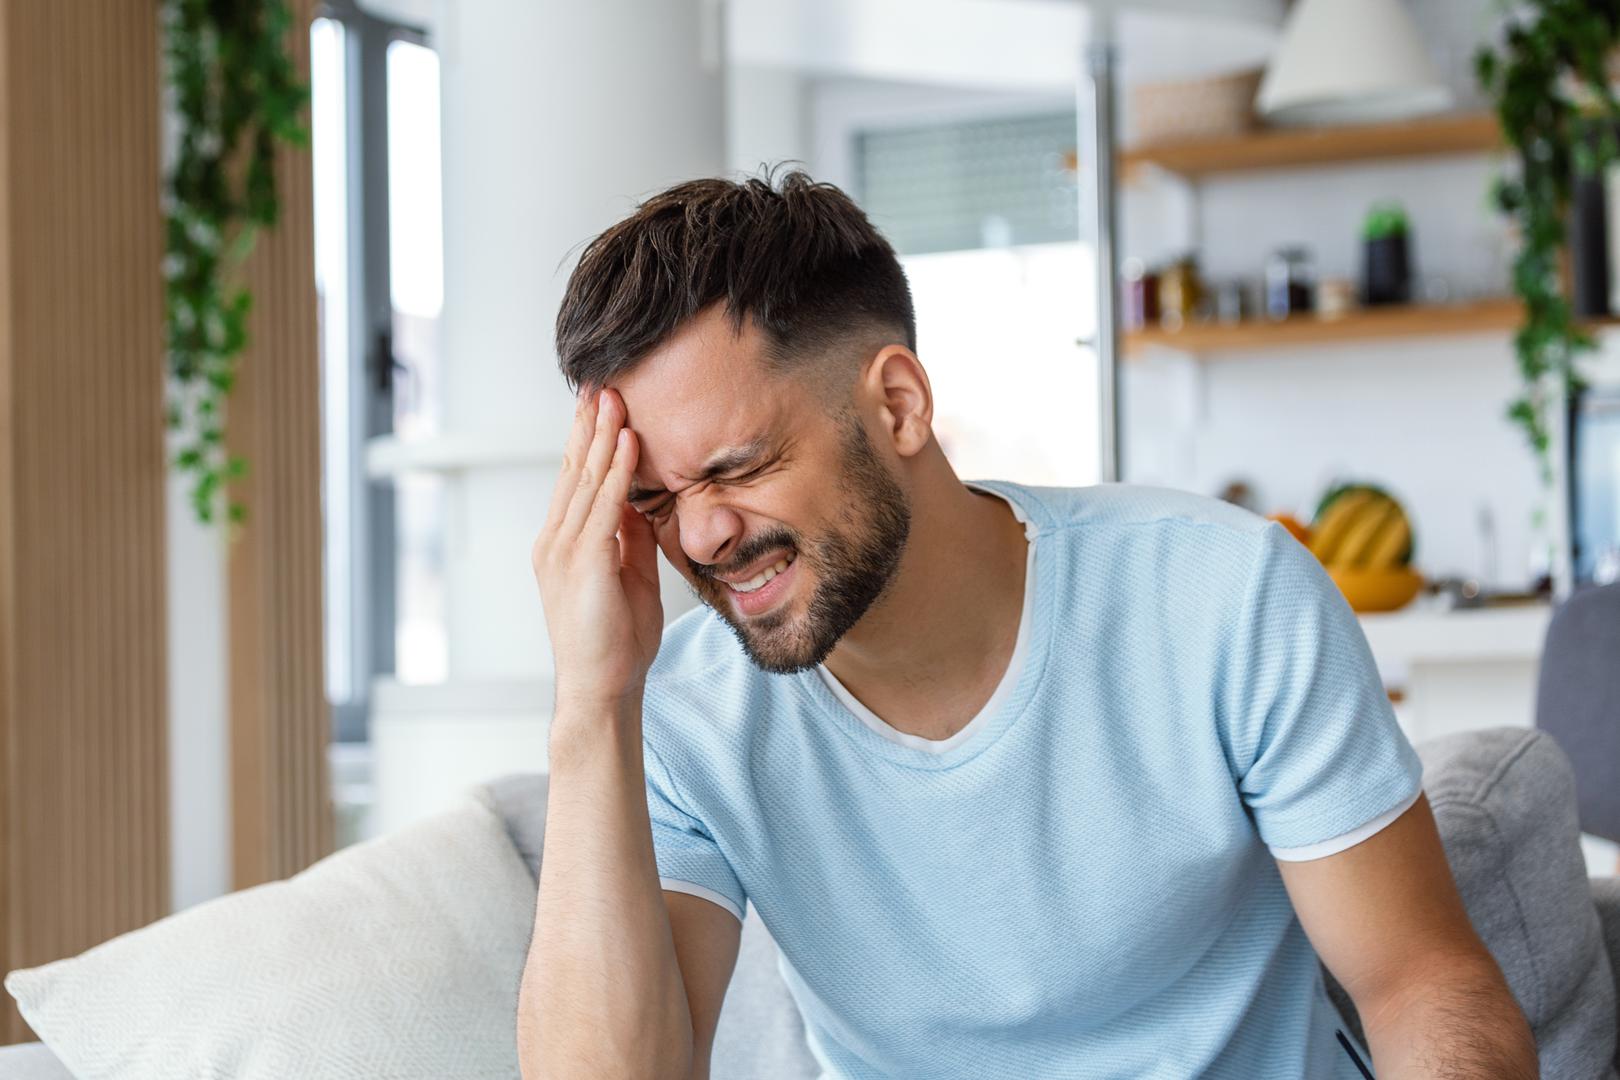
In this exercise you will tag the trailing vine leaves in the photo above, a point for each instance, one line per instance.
(1558, 113)
(237, 95)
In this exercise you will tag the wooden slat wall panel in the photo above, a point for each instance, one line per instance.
(280, 723)
(83, 629)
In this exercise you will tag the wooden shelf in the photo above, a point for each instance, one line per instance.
(1407, 320)
(1278, 148)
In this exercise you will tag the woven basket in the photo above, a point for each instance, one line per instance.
(1196, 109)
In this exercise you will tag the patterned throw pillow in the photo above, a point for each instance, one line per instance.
(399, 957)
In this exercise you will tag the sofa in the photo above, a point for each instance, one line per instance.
(1505, 803)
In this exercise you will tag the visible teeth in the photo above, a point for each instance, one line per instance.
(759, 579)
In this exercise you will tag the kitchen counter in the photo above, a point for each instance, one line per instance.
(1459, 635)
(1459, 669)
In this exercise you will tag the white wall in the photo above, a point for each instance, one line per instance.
(1422, 415)
(767, 117)
(199, 719)
(199, 736)
(557, 119)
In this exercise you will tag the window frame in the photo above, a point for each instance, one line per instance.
(373, 367)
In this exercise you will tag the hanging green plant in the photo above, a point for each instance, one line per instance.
(236, 95)
(1549, 82)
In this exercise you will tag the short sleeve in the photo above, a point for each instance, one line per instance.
(1313, 741)
(689, 859)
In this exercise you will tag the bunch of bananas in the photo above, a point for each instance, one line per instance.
(1361, 527)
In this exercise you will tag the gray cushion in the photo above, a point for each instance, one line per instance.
(1606, 894)
(31, 1061)
(1504, 800)
(1578, 701)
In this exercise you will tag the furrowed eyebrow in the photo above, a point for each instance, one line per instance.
(726, 461)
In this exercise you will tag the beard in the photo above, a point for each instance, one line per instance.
(850, 564)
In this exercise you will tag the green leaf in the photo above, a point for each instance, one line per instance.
(237, 96)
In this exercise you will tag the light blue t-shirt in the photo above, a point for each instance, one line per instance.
(1082, 882)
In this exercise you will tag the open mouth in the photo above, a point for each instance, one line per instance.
(765, 588)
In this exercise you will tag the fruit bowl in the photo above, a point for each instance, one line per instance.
(1377, 590)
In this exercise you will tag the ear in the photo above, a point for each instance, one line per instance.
(897, 381)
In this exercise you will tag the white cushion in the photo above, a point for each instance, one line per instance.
(399, 957)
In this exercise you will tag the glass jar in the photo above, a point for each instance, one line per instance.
(1180, 291)
(1140, 307)
(1288, 282)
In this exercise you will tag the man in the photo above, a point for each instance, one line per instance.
(1024, 782)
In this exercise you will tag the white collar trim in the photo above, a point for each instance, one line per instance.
(1004, 688)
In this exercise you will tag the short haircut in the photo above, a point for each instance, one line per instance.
(797, 257)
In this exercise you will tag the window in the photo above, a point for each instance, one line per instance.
(379, 275)
(985, 213)
(416, 275)
(1015, 394)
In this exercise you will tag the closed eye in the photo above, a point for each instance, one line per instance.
(657, 510)
(743, 477)
(665, 500)
(661, 508)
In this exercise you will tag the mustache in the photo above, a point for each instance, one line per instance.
(747, 552)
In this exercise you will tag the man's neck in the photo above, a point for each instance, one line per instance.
(930, 652)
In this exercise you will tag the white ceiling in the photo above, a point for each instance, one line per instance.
(411, 12)
(1007, 44)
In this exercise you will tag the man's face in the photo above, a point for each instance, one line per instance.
(781, 516)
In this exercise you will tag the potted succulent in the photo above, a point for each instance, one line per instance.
(1386, 256)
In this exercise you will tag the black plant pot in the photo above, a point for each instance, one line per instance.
(1386, 270)
(1589, 216)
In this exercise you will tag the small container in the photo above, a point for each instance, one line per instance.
(1335, 297)
(1288, 282)
(1139, 305)
(1179, 293)
(1231, 301)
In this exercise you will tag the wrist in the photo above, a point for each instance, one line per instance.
(596, 706)
(593, 720)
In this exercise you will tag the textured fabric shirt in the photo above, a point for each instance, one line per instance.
(1081, 882)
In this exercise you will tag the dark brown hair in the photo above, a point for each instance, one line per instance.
(797, 257)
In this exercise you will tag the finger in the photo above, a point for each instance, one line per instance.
(638, 548)
(610, 499)
(579, 440)
(594, 471)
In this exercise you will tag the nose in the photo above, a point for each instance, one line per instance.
(710, 532)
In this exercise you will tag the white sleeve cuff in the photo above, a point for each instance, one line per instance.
(1350, 839)
(671, 885)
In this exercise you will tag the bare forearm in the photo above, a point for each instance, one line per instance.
(602, 994)
(1460, 1025)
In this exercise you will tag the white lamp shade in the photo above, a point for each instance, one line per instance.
(1344, 61)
